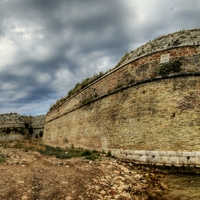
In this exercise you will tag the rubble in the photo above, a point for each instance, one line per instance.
(29, 175)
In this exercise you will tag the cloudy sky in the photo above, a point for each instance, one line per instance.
(47, 46)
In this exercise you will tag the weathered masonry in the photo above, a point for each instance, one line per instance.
(147, 109)
(16, 127)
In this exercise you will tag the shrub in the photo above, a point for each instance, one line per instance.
(109, 154)
(57, 152)
(8, 130)
(169, 67)
(69, 153)
(86, 153)
(22, 131)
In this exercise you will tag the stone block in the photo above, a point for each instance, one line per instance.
(140, 152)
(128, 152)
(172, 153)
(156, 159)
(143, 158)
(115, 152)
(149, 159)
(165, 159)
(197, 154)
(134, 157)
(154, 153)
(193, 161)
(163, 153)
(179, 153)
(174, 160)
(183, 161)
(121, 156)
(188, 153)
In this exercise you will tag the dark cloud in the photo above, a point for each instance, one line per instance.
(48, 46)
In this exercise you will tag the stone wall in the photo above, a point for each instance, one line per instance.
(14, 126)
(134, 109)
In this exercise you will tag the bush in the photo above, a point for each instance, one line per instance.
(169, 67)
(109, 154)
(86, 153)
(8, 130)
(22, 131)
(57, 152)
(69, 153)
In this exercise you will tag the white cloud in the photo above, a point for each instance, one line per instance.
(43, 78)
(47, 47)
(8, 52)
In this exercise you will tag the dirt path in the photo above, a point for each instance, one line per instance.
(29, 175)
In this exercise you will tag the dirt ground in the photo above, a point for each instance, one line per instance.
(30, 175)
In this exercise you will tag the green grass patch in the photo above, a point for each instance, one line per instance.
(36, 145)
(70, 153)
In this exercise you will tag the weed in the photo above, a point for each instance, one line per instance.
(122, 59)
(86, 153)
(55, 151)
(32, 145)
(92, 157)
(2, 158)
(103, 152)
(109, 154)
(77, 88)
(169, 67)
(70, 152)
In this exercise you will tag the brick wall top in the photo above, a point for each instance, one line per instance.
(177, 39)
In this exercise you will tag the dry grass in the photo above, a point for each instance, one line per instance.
(36, 145)
(26, 145)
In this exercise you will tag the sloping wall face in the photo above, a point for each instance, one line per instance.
(138, 70)
(133, 107)
(161, 115)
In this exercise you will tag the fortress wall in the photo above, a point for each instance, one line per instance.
(161, 115)
(137, 70)
(13, 126)
(152, 121)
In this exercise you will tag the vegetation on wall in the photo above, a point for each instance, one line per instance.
(8, 130)
(126, 55)
(170, 67)
(165, 68)
(85, 83)
(77, 88)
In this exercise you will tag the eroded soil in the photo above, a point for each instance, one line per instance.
(30, 175)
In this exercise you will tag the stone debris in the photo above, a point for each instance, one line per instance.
(29, 175)
(122, 182)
